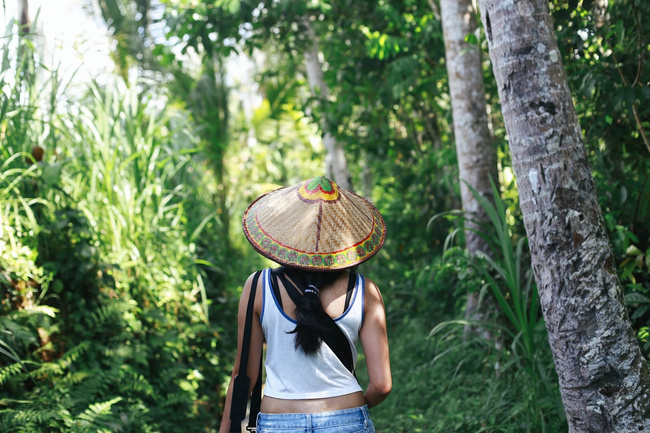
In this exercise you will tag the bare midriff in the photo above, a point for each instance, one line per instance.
(280, 405)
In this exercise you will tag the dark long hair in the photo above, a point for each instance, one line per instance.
(310, 315)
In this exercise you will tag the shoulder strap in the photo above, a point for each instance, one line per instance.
(242, 382)
(275, 286)
(256, 400)
(348, 295)
(334, 338)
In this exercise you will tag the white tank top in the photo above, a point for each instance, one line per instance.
(290, 373)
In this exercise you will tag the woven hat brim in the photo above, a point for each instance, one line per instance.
(364, 246)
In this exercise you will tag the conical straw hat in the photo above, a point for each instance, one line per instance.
(314, 225)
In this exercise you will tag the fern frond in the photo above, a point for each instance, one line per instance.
(97, 415)
(118, 351)
(9, 371)
(95, 384)
(27, 416)
(49, 369)
(134, 382)
(73, 354)
(75, 378)
(107, 313)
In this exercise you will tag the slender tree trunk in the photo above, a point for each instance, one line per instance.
(336, 163)
(367, 179)
(599, 11)
(604, 380)
(23, 7)
(477, 162)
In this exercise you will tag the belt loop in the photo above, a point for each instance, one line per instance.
(364, 409)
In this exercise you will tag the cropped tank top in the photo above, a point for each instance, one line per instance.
(292, 374)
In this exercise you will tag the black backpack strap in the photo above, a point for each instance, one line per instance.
(334, 337)
(256, 400)
(242, 382)
(348, 295)
(275, 286)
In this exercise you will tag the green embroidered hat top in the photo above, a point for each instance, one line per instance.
(314, 225)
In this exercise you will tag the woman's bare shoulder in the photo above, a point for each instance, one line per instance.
(372, 293)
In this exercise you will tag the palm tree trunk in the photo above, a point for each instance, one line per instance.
(476, 155)
(604, 380)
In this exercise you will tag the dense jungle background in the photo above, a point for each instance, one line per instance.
(121, 251)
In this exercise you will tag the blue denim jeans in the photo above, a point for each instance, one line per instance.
(354, 420)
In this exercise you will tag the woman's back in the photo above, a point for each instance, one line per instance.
(291, 373)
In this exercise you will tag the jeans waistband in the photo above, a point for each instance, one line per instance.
(314, 420)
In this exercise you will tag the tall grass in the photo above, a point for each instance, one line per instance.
(104, 292)
(520, 342)
(21, 129)
(132, 182)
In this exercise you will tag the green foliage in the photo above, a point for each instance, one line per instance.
(104, 296)
(508, 277)
(445, 384)
(121, 256)
(519, 335)
(129, 22)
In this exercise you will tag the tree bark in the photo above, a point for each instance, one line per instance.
(336, 166)
(477, 161)
(599, 11)
(604, 380)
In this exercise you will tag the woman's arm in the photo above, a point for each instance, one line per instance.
(375, 346)
(255, 348)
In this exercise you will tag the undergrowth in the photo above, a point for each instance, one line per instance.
(111, 310)
(447, 385)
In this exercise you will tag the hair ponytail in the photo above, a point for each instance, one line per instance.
(311, 318)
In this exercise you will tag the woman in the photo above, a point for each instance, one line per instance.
(319, 233)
